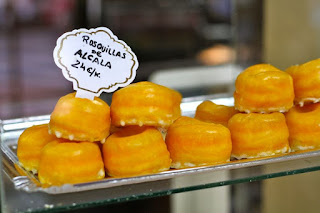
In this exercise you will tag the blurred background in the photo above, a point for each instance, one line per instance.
(195, 46)
(187, 36)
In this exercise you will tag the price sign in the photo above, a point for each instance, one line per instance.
(95, 60)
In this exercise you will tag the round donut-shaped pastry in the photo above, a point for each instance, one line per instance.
(30, 144)
(80, 119)
(210, 112)
(304, 127)
(134, 151)
(306, 82)
(258, 135)
(145, 104)
(194, 143)
(63, 162)
(263, 88)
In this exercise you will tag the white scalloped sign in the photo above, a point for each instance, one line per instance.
(95, 60)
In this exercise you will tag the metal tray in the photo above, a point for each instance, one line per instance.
(11, 130)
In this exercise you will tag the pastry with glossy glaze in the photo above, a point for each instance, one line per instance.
(306, 82)
(134, 150)
(30, 144)
(63, 162)
(194, 143)
(263, 88)
(258, 135)
(145, 104)
(210, 112)
(80, 119)
(304, 127)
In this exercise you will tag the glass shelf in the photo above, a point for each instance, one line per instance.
(23, 194)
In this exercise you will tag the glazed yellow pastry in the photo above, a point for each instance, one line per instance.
(263, 88)
(210, 112)
(196, 143)
(133, 151)
(145, 103)
(63, 162)
(258, 135)
(304, 127)
(80, 119)
(30, 144)
(306, 82)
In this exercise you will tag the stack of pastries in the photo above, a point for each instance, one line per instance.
(256, 122)
(86, 139)
(304, 118)
(262, 94)
(143, 132)
(140, 112)
(68, 147)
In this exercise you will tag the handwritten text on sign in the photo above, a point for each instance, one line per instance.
(95, 61)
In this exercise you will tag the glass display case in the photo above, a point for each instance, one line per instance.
(183, 41)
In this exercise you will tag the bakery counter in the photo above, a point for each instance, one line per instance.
(22, 192)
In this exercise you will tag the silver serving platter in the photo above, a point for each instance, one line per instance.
(11, 130)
